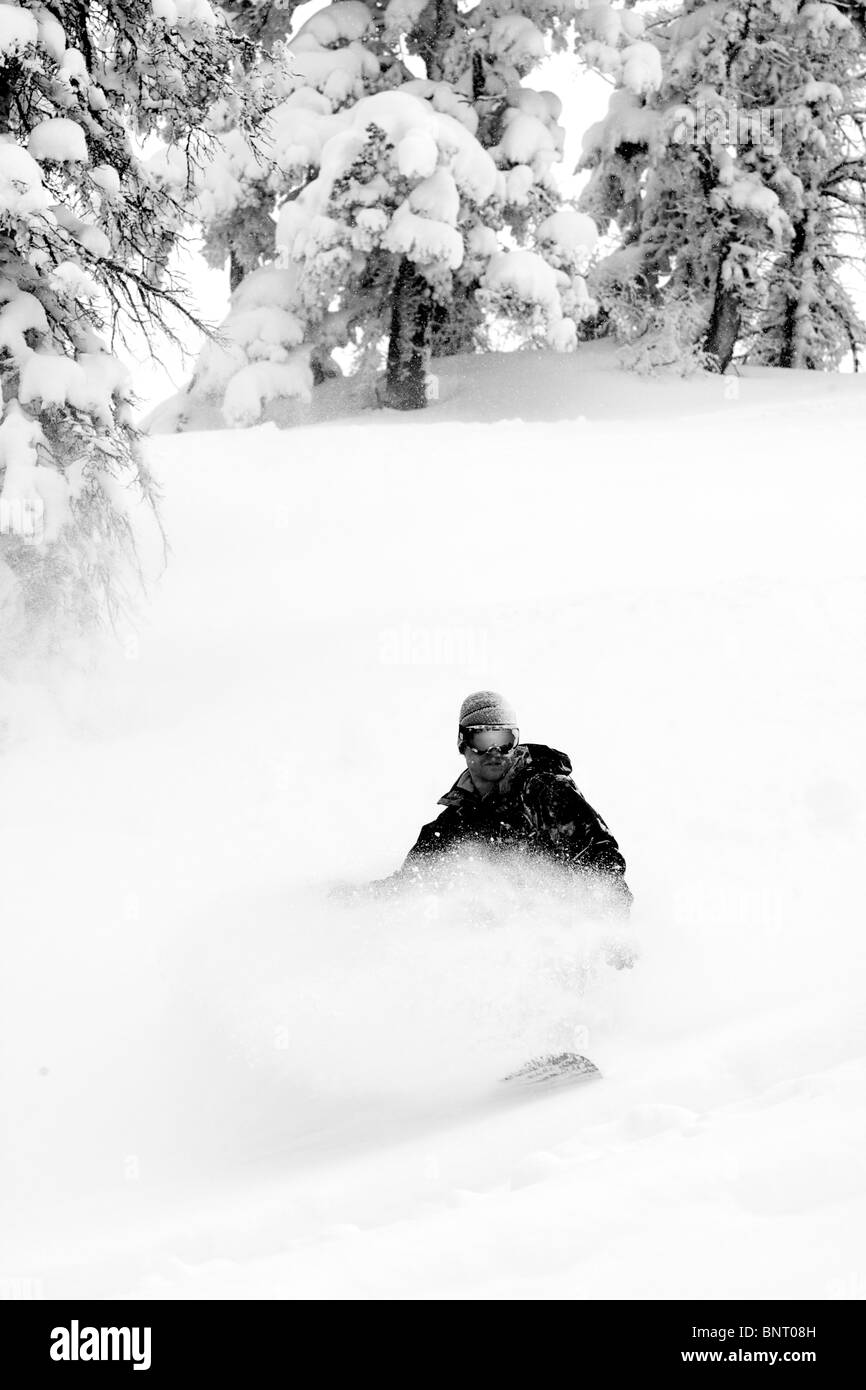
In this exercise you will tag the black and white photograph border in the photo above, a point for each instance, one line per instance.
(432, 657)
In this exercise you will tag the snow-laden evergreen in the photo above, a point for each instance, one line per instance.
(86, 236)
(411, 169)
(732, 183)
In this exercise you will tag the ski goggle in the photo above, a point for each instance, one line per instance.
(490, 740)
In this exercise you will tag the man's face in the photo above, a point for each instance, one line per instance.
(489, 752)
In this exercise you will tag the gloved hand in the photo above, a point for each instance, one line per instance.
(362, 892)
(347, 892)
(609, 897)
(620, 953)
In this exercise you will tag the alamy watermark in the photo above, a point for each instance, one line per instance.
(23, 517)
(21, 1288)
(734, 127)
(416, 645)
(77, 1343)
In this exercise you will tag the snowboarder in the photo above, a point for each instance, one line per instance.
(520, 796)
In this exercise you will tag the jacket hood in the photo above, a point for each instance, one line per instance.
(529, 758)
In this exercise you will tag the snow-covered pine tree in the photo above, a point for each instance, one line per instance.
(242, 182)
(84, 238)
(693, 211)
(411, 168)
(729, 185)
(818, 162)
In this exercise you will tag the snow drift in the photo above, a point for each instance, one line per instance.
(222, 1081)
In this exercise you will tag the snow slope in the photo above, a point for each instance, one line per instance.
(224, 1082)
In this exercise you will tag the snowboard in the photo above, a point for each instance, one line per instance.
(547, 1073)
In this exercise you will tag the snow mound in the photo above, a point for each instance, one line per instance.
(304, 1087)
(58, 139)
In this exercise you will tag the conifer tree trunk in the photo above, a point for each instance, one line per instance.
(412, 307)
(435, 27)
(409, 343)
(236, 271)
(794, 348)
(724, 326)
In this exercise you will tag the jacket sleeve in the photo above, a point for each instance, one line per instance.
(433, 838)
(577, 834)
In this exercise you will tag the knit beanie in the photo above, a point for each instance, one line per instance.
(487, 707)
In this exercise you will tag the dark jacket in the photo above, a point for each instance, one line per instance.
(536, 808)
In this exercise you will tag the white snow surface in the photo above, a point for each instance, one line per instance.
(18, 29)
(526, 275)
(21, 189)
(642, 68)
(58, 138)
(222, 1082)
